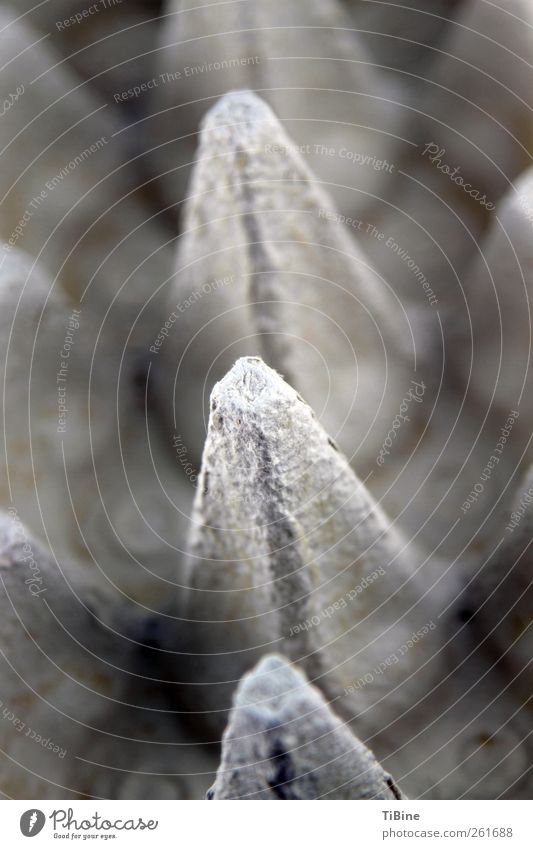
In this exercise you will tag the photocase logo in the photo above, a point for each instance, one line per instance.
(32, 822)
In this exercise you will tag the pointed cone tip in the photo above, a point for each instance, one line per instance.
(238, 107)
(270, 682)
(271, 663)
(250, 382)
